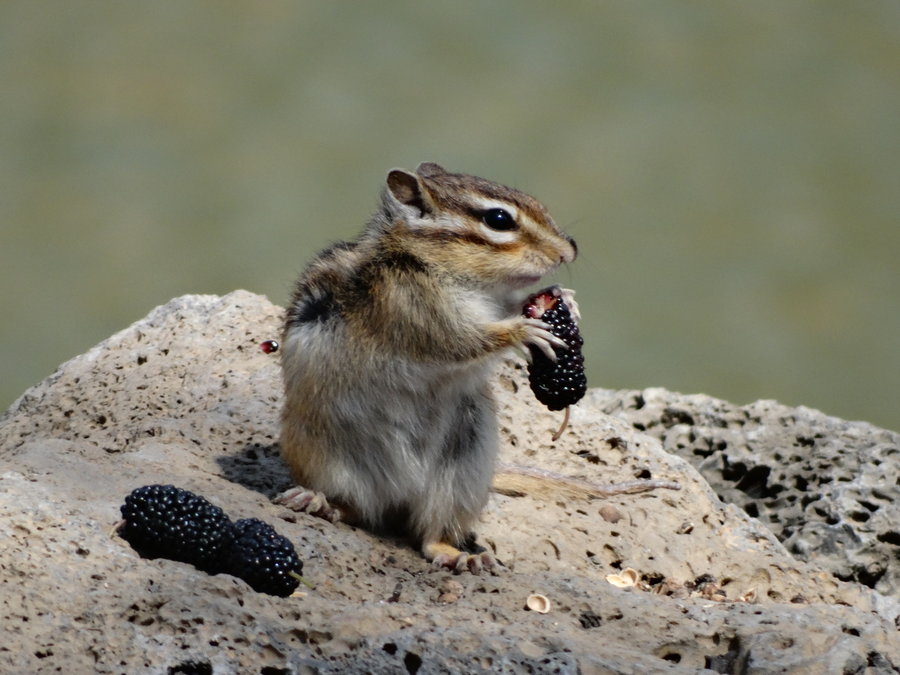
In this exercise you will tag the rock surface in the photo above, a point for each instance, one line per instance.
(186, 396)
(829, 489)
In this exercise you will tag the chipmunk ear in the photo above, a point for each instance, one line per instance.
(426, 169)
(406, 188)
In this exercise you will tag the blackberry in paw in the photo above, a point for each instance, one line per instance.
(163, 521)
(557, 385)
(263, 558)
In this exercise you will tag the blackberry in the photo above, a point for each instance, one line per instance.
(163, 521)
(263, 558)
(557, 385)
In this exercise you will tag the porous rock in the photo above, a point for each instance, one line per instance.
(185, 396)
(829, 489)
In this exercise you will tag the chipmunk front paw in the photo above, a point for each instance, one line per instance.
(540, 336)
(568, 295)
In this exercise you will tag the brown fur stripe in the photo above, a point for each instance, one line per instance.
(447, 188)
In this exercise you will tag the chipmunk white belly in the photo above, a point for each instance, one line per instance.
(431, 450)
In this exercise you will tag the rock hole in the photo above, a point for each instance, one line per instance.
(653, 578)
(806, 500)
(390, 648)
(864, 576)
(191, 668)
(299, 635)
(413, 662)
(734, 471)
(674, 657)
(704, 579)
(589, 620)
(882, 663)
(892, 538)
(829, 518)
(730, 661)
(673, 416)
(753, 483)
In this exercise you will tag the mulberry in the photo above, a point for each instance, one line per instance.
(263, 558)
(163, 521)
(557, 385)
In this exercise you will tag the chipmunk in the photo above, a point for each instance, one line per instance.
(388, 347)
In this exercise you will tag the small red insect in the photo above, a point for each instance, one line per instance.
(269, 346)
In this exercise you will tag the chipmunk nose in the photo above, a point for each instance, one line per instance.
(569, 255)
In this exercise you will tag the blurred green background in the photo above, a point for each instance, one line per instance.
(731, 171)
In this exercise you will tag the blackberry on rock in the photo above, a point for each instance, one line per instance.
(163, 521)
(562, 383)
(263, 558)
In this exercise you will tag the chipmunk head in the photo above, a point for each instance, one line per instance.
(473, 228)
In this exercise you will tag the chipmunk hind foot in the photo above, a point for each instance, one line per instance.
(442, 554)
(314, 503)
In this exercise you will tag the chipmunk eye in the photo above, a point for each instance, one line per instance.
(498, 219)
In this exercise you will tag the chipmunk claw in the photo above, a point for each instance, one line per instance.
(308, 501)
(474, 563)
(541, 337)
(568, 296)
(448, 557)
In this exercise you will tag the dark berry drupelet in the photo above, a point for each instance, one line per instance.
(263, 558)
(560, 384)
(163, 521)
